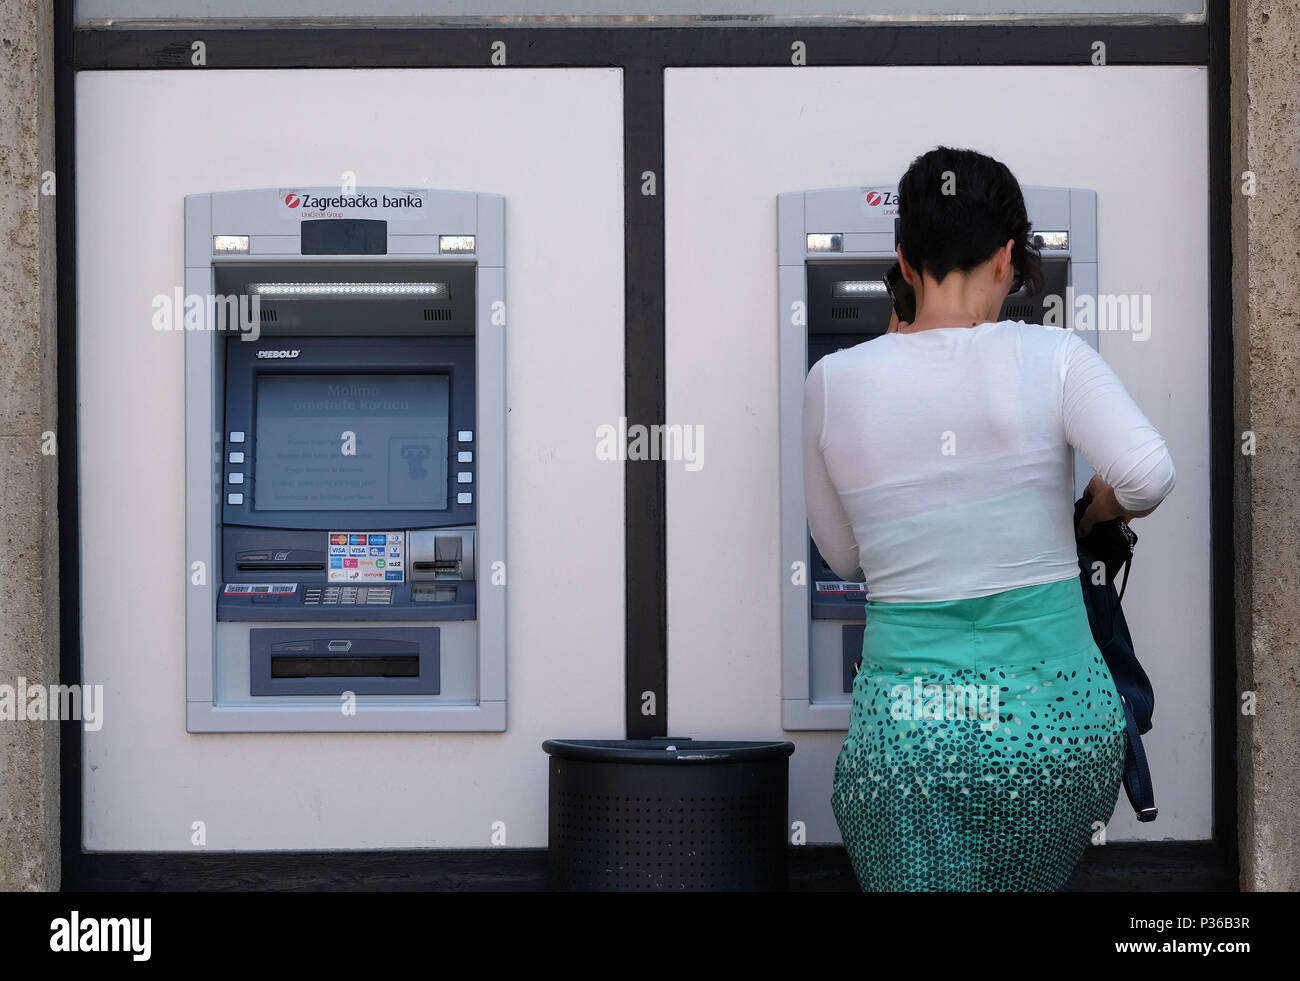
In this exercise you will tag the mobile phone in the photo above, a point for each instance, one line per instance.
(901, 294)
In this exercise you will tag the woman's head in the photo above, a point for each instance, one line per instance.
(956, 208)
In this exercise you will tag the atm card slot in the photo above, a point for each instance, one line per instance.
(280, 566)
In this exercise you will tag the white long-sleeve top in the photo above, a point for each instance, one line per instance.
(937, 464)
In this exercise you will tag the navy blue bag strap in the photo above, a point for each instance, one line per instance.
(1137, 777)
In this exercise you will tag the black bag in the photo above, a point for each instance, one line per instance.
(1111, 543)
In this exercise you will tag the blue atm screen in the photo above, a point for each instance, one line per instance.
(395, 457)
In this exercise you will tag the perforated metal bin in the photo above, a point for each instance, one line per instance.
(668, 814)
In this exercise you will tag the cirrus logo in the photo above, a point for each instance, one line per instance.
(292, 200)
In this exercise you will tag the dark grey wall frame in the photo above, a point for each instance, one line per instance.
(643, 53)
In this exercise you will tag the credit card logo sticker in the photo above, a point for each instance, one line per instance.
(370, 556)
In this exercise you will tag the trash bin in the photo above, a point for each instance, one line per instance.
(668, 814)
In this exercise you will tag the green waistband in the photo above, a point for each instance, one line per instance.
(1008, 606)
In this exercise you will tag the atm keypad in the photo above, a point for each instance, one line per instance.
(348, 596)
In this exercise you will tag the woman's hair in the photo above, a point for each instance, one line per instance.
(956, 208)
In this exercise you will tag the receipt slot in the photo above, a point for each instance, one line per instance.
(834, 247)
(345, 446)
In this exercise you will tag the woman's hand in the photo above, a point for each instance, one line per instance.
(1102, 507)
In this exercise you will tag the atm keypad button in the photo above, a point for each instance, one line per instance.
(464, 477)
(234, 498)
(236, 478)
(465, 436)
(236, 457)
(236, 437)
(465, 456)
(464, 498)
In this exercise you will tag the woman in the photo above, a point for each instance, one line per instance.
(986, 742)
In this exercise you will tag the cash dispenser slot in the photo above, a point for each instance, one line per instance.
(330, 661)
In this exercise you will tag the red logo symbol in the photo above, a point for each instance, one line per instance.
(873, 198)
(292, 200)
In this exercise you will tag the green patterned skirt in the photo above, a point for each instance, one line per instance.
(985, 747)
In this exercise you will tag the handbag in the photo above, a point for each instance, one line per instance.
(1111, 543)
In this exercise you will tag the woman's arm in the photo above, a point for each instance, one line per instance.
(1134, 469)
(827, 520)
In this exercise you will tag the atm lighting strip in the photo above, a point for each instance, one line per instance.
(342, 291)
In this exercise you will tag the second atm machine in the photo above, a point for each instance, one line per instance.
(835, 246)
(345, 446)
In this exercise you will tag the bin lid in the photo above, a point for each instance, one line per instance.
(666, 749)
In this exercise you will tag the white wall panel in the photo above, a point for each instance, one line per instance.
(144, 141)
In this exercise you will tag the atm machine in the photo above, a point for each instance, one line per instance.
(834, 248)
(345, 447)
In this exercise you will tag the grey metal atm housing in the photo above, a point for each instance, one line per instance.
(834, 247)
(376, 314)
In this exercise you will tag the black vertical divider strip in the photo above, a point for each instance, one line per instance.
(69, 512)
(645, 529)
(1223, 443)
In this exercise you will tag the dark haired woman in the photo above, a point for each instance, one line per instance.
(986, 741)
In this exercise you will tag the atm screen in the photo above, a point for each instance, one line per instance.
(351, 442)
